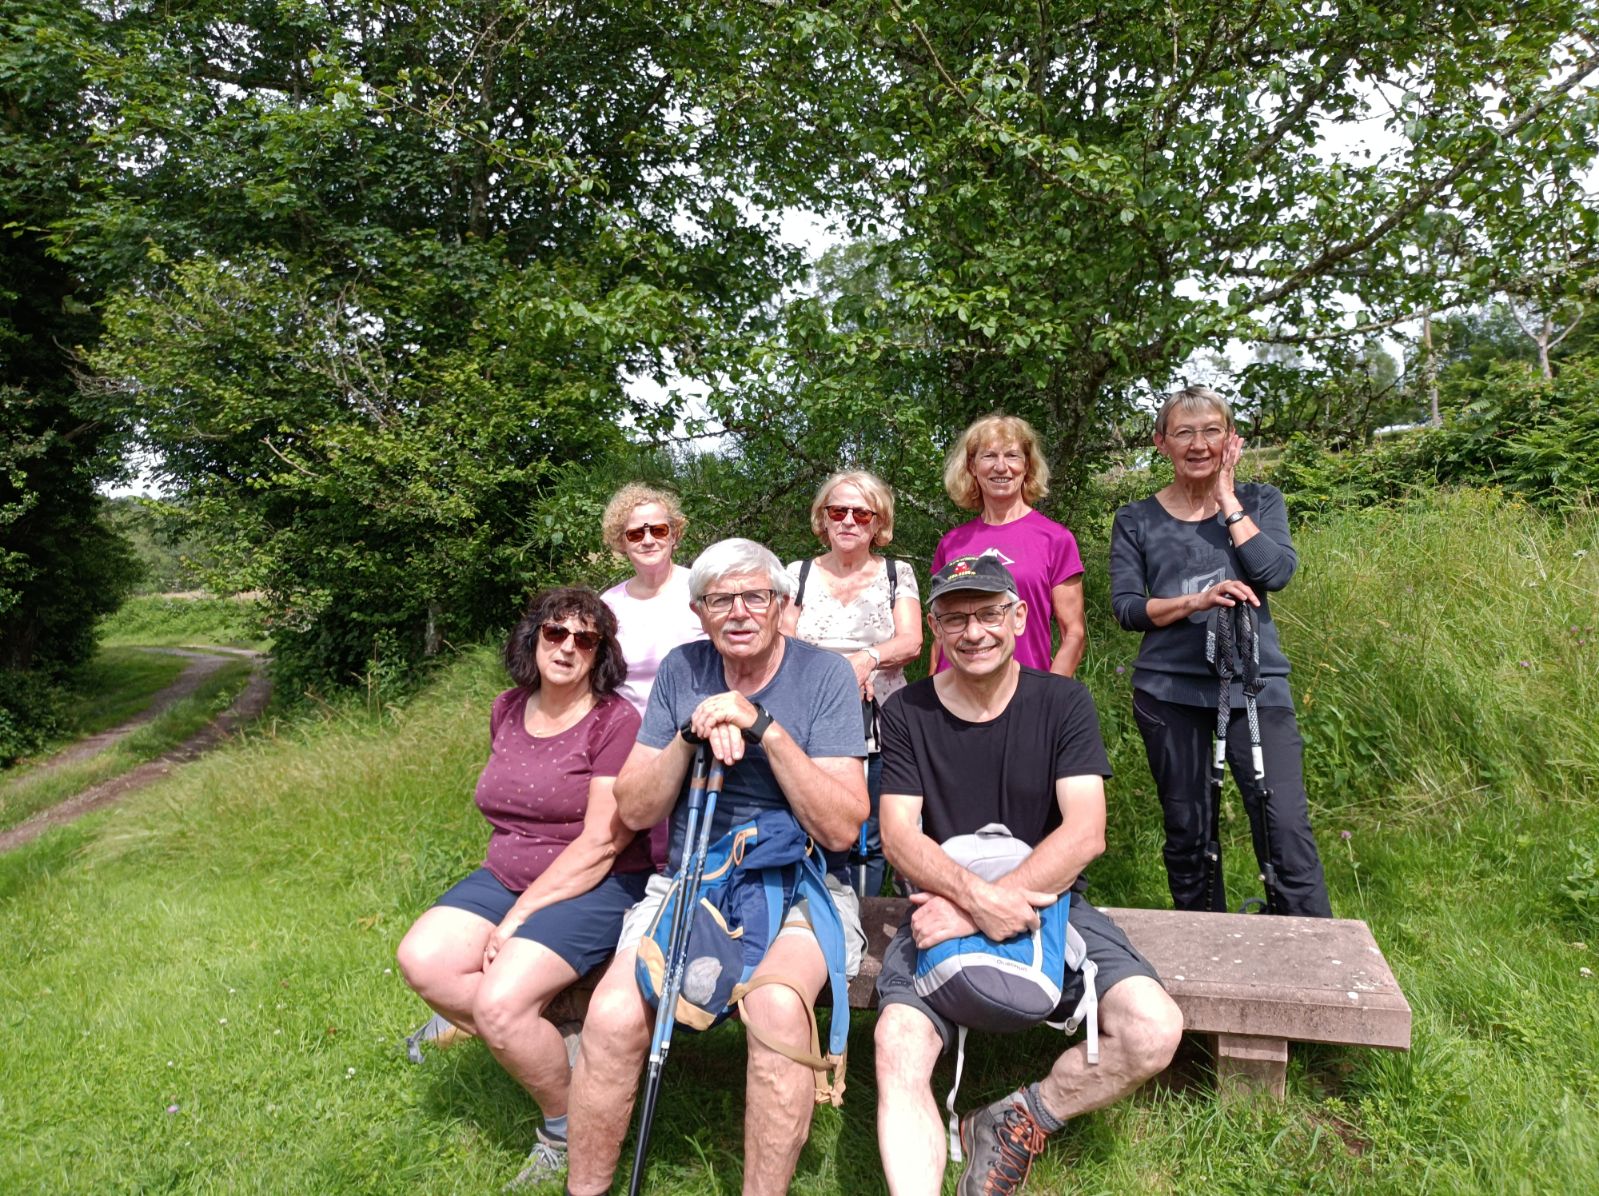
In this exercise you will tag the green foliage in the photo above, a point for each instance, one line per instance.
(1536, 438)
(31, 712)
(1055, 212)
(153, 619)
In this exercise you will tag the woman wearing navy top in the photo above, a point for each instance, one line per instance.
(1199, 545)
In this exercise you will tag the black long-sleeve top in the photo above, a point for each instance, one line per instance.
(1154, 555)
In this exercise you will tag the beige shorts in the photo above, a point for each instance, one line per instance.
(798, 921)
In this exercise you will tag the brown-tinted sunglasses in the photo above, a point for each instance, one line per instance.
(554, 633)
(660, 531)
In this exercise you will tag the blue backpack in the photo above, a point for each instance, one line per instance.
(754, 874)
(983, 984)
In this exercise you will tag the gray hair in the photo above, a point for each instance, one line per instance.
(1194, 398)
(727, 557)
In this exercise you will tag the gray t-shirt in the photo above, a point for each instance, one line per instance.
(813, 696)
(1154, 555)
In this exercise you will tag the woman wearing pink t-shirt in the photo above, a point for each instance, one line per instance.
(997, 469)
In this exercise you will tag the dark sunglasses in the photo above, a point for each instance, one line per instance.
(861, 514)
(554, 633)
(635, 535)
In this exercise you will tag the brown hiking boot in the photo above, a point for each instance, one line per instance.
(1000, 1143)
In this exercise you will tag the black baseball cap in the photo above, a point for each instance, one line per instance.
(983, 574)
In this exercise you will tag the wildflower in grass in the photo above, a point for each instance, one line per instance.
(349, 1073)
(172, 1108)
(1120, 669)
(222, 1021)
(1346, 835)
(1526, 664)
(1585, 971)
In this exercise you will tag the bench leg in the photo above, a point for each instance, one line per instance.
(1245, 1062)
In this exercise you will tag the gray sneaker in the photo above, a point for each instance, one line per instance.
(1000, 1143)
(546, 1162)
(436, 1030)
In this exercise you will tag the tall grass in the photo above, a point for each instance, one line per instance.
(200, 994)
(155, 619)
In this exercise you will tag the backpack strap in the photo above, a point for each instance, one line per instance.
(799, 595)
(810, 885)
(893, 585)
(828, 1092)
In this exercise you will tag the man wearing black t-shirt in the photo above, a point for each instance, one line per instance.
(990, 741)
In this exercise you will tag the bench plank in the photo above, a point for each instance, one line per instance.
(1253, 982)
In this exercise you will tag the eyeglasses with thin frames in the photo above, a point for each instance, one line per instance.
(989, 617)
(755, 601)
(635, 535)
(1187, 436)
(860, 514)
(554, 633)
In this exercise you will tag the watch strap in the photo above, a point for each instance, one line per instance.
(756, 731)
(1237, 515)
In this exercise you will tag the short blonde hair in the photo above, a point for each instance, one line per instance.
(997, 428)
(635, 494)
(1193, 398)
(878, 496)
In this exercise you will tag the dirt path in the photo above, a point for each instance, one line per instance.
(250, 703)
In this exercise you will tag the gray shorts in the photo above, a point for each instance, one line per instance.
(798, 922)
(1107, 946)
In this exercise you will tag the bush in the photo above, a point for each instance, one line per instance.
(30, 713)
(1536, 438)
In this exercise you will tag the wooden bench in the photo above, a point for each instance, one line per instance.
(1253, 983)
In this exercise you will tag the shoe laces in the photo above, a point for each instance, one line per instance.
(1020, 1140)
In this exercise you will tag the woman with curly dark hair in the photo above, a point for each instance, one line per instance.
(546, 907)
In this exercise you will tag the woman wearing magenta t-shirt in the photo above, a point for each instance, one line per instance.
(562, 869)
(997, 469)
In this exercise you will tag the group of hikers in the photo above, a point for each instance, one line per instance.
(780, 682)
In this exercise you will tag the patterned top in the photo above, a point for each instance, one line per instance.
(534, 790)
(865, 622)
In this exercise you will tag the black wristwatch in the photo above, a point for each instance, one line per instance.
(1240, 513)
(757, 730)
(689, 735)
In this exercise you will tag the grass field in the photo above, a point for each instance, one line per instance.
(199, 989)
(25, 790)
(157, 619)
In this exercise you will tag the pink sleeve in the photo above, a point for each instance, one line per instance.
(1066, 562)
(614, 734)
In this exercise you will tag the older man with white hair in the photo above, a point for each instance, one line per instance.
(786, 719)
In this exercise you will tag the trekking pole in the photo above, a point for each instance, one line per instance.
(1249, 641)
(703, 789)
(860, 847)
(1219, 651)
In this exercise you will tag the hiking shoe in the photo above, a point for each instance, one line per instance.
(1000, 1143)
(546, 1162)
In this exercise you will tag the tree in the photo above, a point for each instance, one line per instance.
(379, 275)
(1070, 201)
(61, 565)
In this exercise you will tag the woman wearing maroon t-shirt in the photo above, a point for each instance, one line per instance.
(562, 869)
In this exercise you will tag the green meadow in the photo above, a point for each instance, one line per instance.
(198, 990)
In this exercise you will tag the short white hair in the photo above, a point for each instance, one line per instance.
(727, 557)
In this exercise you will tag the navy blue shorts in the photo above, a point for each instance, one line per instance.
(581, 930)
(1108, 947)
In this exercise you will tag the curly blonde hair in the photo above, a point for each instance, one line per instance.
(995, 429)
(631, 496)
(877, 494)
